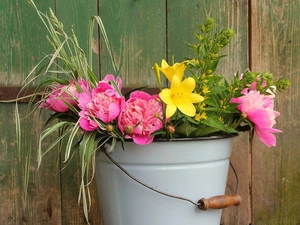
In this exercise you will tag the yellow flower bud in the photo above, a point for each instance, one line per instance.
(157, 73)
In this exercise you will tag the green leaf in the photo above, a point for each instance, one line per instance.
(45, 134)
(185, 130)
(204, 51)
(106, 40)
(204, 131)
(217, 124)
(213, 66)
(18, 129)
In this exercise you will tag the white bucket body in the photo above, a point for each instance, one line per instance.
(190, 169)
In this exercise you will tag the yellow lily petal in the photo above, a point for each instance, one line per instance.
(195, 98)
(175, 83)
(170, 71)
(179, 70)
(170, 110)
(187, 108)
(164, 64)
(166, 96)
(188, 85)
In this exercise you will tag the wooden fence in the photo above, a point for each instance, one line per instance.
(142, 32)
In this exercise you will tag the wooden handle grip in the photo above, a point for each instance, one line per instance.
(219, 202)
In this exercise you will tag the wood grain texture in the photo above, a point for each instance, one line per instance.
(137, 31)
(183, 18)
(43, 205)
(276, 171)
(21, 46)
(20, 49)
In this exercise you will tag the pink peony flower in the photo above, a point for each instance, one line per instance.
(138, 119)
(64, 93)
(103, 103)
(259, 109)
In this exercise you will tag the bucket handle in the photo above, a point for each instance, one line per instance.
(215, 202)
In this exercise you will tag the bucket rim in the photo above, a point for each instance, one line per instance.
(202, 138)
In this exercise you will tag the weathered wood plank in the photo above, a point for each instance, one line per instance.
(43, 199)
(21, 49)
(137, 30)
(276, 171)
(183, 18)
(21, 44)
(76, 15)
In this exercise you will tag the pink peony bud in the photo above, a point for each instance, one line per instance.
(170, 129)
(62, 94)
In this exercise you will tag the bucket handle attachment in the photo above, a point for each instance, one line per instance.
(215, 202)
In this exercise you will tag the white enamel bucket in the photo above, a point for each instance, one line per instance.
(193, 169)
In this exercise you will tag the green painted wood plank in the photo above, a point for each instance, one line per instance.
(21, 49)
(76, 15)
(43, 198)
(183, 18)
(137, 30)
(21, 45)
(275, 47)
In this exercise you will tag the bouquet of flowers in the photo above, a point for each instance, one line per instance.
(196, 102)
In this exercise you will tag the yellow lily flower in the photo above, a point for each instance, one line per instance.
(180, 96)
(169, 71)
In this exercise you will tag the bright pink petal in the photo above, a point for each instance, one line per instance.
(118, 80)
(114, 111)
(253, 86)
(59, 106)
(87, 125)
(266, 136)
(83, 100)
(140, 95)
(142, 140)
(260, 117)
(245, 91)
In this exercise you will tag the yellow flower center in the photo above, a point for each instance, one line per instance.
(176, 97)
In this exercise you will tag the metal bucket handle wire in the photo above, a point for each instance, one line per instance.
(215, 202)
